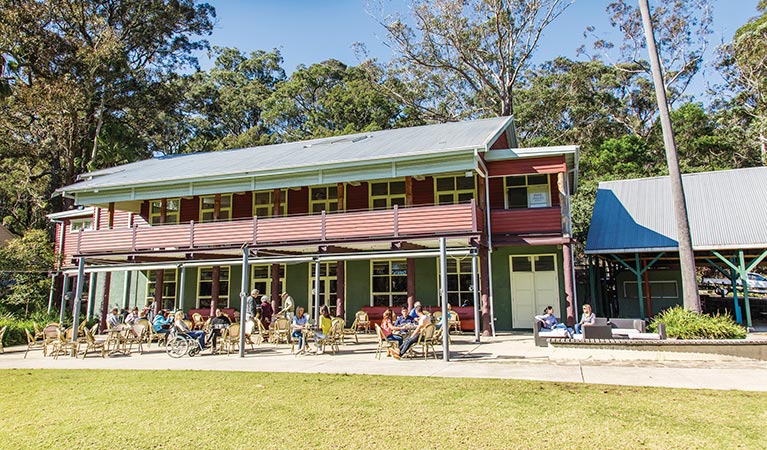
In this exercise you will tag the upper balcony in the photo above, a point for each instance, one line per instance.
(527, 220)
(396, 223)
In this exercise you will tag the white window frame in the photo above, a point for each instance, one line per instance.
(76, 225)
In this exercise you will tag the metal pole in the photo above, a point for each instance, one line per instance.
(78, 297)
(443, 293)
(316, 290)
(50, 294)
(475, 294)
(243, 296)
(126, 290)
(91, 296)
(640, 294)
(744, 278)
(182, 288)
(686, 255)
(64, 299)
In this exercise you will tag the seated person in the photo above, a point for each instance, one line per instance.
(388, 329)
(549, 320)
(132, 317)
(413, 315)
(182, 327)
(587, 318)
(299, 323)
(404, 319)
(219, 322)
(326, 322)
(113, 318)
(423, 320)
(161, 322)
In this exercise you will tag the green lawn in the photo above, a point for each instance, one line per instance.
(193, 410)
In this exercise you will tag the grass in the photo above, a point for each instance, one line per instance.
(199, 410)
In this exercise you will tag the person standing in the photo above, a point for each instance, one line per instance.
(287, 306)
(250, 304)
(266, 311)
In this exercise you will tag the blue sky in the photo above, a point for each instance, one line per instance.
(311, 31)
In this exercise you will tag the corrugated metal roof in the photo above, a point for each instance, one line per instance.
(316, 153)
(727, 209)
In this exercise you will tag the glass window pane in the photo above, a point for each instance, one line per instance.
(318, 208)
(515, 181)
(399, 201)
(521, 264)
(380, 284)
(226, 201)
(156, 207)
(379, 203)
(378, 189)
(465, 183)
(465, 197)
(544, 263)
(380, 300)
(397, 187)
(333, 207)
(398, 284)
(446, 184)
(208, 202)
(446, 199)
(517, 198)
(319, 194)
(333, 192)
(537, 179)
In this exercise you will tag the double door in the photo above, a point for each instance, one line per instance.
(534, 286)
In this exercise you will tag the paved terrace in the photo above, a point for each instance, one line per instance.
(510, 356)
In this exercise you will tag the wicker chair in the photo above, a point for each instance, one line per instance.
(64, 344)
(260, 333)
(426, 341)
(333, 337)
(199, 322)
(138, 334)
(155, 336)
(280, 331)
(454, 321)
(383, 343)
(232, 338)
(92, 344)
(33, 343)
(50, 336)
(351, 331)
(362, 321)
(38, 332)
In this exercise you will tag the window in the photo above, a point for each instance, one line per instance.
(208, 208)
(328, 287)
(460, 289)
(261, 278)
(527, 191)
(386, 194)
(263, 203)
(388, 283)
(323, 198)
(172, 207)
(168, 288)
(454, 189)
(658, 289)
(205, 287)
(81, 224)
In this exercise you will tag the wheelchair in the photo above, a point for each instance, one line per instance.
(180, 344)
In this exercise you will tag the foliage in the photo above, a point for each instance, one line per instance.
(513, 413)
(24, 265)
(461, 59)
(685, 324)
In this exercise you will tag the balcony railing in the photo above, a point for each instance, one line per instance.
(530, 220)
(422, 221)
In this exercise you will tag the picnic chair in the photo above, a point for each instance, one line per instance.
(260, 332)
(50, 336)
(137, 334)
(38, 332)
(454, 321)
(361, 320)
(333, 337)
(426, 341)
(92, 344)
(155, 336)
(2, 333)
(232, 338)
(64, 344)
(280, 332)
(33, 343)
(351, 331)
(383, 343)
(198, 321)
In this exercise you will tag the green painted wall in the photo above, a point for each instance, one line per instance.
(357, 287)
(297, 277)
(502, 280)
(235, 286)
(629, 307)
(426, 281)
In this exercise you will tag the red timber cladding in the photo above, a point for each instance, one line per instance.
(209, 234)
(298, 201)
(357, 197)
(531, 220)
(527, 166)
(436, 219)
(284, 229)
(242, 205)
(359, 224)
(121, 219)
(423, 191)
(497, 195)
(501, 143)
(189, 210)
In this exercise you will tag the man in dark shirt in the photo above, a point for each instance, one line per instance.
(403, 319)
(266, 311)
(217, 325)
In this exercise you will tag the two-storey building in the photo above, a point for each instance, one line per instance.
(349, 221)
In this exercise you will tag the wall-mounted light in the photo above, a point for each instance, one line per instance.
(419, 177)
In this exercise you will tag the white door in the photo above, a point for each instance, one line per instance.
(534, 286)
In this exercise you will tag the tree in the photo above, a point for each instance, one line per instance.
(743, 64)
(465, 58)
(682, 28)
(24, 265)
(329, 99)
(78, 69)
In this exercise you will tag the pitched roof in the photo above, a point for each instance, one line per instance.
(332, 152)
(726, 209)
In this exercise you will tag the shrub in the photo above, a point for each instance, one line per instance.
(14, 335)
(684, 324)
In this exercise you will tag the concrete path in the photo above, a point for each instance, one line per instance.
(511, 356)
